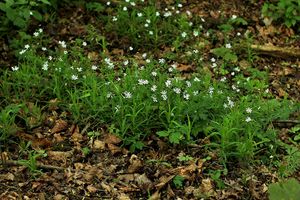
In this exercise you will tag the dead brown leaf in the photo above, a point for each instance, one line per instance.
(61, 156)
(76, 136)
(91, 189)
(119, 52)
(60, 125)
(163, 181)
(143, 182)
(135, 164)
(184, 68)
(7, 177)
(207, 188)
(99, 145)
(123, 196)
(155, 196)
(114, 149)
(112, 139)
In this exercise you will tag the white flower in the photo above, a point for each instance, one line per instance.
(148, 60)
(223, 79)
(50, 58)
(179, 5)
(211, 90)
(248, 110)
(143, 82)
(238, 34)
(186, 96)
(196, 79)
(195, 93)
(65, 52)
(146, 25)
(214, 65)
(213, 59)
(164, 95)
(154, 74)
(126, 62)
(154, 99)
(161, 61)
(153, 88)
(195, 51)
(248, 119)
(177, 11)
(170, 69)
(26, 46)
(195, 33)
(45, 66)
(15, 68)
(228, 46)
(202, 19)
(84, 44)
(79, 69)
(150, 32)
(94, 67)
(62, 44)
(114, 18)
(177, 90)
(233, 17)
(108, 3)
(127, 95)
(130, 48)
(117, 108)
(74, 77)
(167, 14)
(40, 30)
(22, 51)
(168, 83)
(148, 21)
(44, 49)
(30, 13)
(183, 34)
(109, 95)
(188, 84)
(36, 34)
(132, 3)
(157, 14)
(140, 14)
(188, 12)
(144, 55)
(125, 8)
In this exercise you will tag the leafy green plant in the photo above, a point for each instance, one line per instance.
(8, 126)
(19, 12)
(31, 162)
(178, 181)
(289, 190)
(287, 11)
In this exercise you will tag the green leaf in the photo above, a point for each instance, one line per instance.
(287, 190)
(175, 137)
(46, 2)
(297, 137)
(178, 181)
(163, 133)
(37, 15)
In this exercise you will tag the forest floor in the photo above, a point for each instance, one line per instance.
(107, 169)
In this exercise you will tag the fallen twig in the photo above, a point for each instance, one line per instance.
(275, 51)
(42, 166)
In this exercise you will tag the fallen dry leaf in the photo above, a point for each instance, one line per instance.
(112, 139)
(114, 149)
(163, 181)
(207, 188)
(91, 189)
(60, 125)
(76, 136)
(135, 164)
(123, 196)
(184, 68)
(7, 177)
(155, 196)
(143, 182)
(99, 145)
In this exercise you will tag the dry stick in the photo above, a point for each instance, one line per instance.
(275, 51)
(292, 121)
(42, 166)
